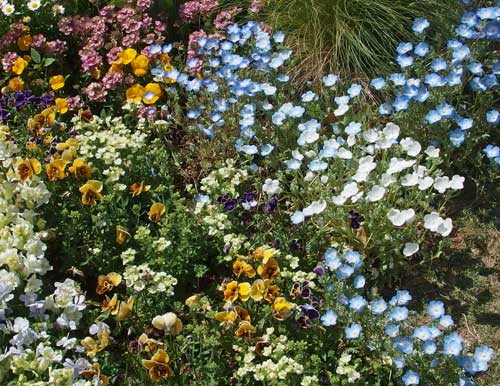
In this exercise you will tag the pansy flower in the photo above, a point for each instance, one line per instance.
(240, 266)
(25, 168)
(156, 212)
(158, 366)
(91, 192)
(106, 283)
(282, 308)
(136, 189)
(55, 170)
(56, 82)
(234, 291)
(80, 169)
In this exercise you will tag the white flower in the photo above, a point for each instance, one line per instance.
(425, 183)
(316, 207)
(441, 184)
(344, 153)
(8, 9)
(396, 165)
(391, 131)
(271, 187)
(33, 5)
(457, 182)
(297, 155)
(435, 223)
(410, 180)
(445, 227)
(410, 249)
(386, 180)
(341, 110)
(398, 218)
(307, 136)
(371, 135)
(410, 146)
(376, 193)
(297, 217)
(432, 152)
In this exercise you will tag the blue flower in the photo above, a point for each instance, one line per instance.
(404, 61)
(411, 378)
(385, 108)
(463, 381)
(452, 344)
(423, 333)
(398, 79)
(420, 24)
(432, 117)
(403, 344)
(401, 298)
(344, 271)
(352, 257)
(329, 319)
(297, 217)
(353, 331)
(398, 314)
(401, 103)
(483, 353)
(266, 149)
(378, 83)
(357, 303)
(353, 128)
(493, 117)
(317, 165)
(464, 123)
(445, 110)
(399, 362)
(309, 96)
(279, 37)
(460, 53)
(491, 151)
(429, 347)
(446, 321)
(359, 282)
(392, 330)
(404, 47)
(421, 49)
(453, 78)
(378, 307)
(457, 137)
(354, 90)
(475, 68)
(434, 80)
(439, 65)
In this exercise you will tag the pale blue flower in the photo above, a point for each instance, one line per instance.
(353, 331)
(421, 49)
(378, 83)
(411, 378)
(329, 80)
(420, 24)
(297, 217)
(329, 319)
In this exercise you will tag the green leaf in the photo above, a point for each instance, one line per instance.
(35, 55)
(48, 61)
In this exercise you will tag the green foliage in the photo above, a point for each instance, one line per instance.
(349, 37)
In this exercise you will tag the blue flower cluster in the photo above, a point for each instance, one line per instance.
(435, 342)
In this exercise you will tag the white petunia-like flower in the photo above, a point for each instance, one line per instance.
(271, 187)
(432, 152)
(397, 165)
(341, 110)
(376, 193)
(410, 146)
(457, 182)
(316, 207)
(410, 249)
(343, 153)
(401, 217)
(441, 184)
(435, 223)
(425, 183)
(391, 131)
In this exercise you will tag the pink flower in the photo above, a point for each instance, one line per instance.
(113, 53)
(95, 92)
(224, 18)
(74, 103)
(188, 11)
(257, 6)
(111, 80)
(38, 41)
(8, 60)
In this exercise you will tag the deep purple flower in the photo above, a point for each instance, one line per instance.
(223, 199)
(230, 204)
(319, 270)
(275, 244)
(271, 205)
(303, 321)
(356, 219)
(311, 312)
(4, 114)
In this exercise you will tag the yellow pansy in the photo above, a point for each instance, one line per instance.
(269, 270)
(149, 344)
(24, 42)
(156, 212)
(25, 168)
(152, 93)
(264, 254)
(122, 235)
(91, 192)
(124, 309)
(136, 189)
(56, 82)
(140, 65)
(106, 283)
(126, 56)
(61, 106)
(240, 266)
(226, 318)
(158, 366)
(135, 93)
(16, 84)
(245, 329)
(55, 169)
(233, 291)
(80, 169)
(110, 305)
(95, 372)
(282, 309)
(115, 67)
(19, 65)
(164, 58)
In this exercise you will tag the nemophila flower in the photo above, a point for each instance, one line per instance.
(391, 330)
(385, 108)
(404, 47)
(452, 344)
(453, 79)
(354, 90)
(317, 165)
(378, 83)
(398, 79)
(410, 249)
(378, 307)
(297, 217)
(357, 303)
(457, 137)
(405, 61)
(434, 80)
(403, 344)
(439, 65)
(398, 314)
(464, 123)
(446, 321)
(423, 333)
(492, 30)
(309, 96)
(491, 151)
(401, 217)
(421, 49)
(460, 53)
(329, 319)
(483, 353)
(344, 271)
(329, 80)
(475, 68)
(493, 117)
(352, 257)
(353, 331)
(411, 378)
(420, 24)
(156, 212)
(401, 103)
(435, 309)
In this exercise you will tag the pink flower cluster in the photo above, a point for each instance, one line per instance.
(224, 18)
(188, 11)
(11, 36)
(8, 60)
(257, 6)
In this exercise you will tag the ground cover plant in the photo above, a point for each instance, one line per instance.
(179, 212)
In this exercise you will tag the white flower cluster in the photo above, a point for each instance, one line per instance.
(223, 180)
(109, 141)
(344, 368)
(141, 277)
(278, 365)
